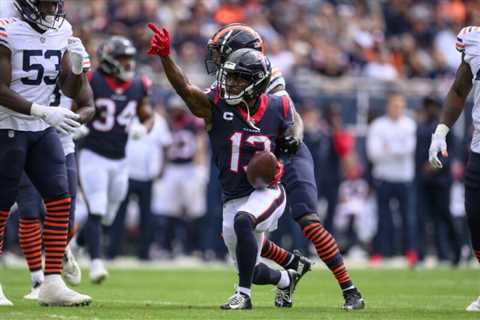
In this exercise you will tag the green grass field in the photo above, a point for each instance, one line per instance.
(197, 293)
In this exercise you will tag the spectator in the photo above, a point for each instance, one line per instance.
(180, 198)
(391, 144)
(433, 191)
(337, 145)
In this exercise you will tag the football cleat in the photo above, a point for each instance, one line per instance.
(238, 301)
(3, 299)
(98, 272)
(33, 294)
(474, 306)
(284, 297)
(71, 271)
(353, 300)
(54, 292)
(304, 264)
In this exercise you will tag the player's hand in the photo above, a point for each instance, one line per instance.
(289, 144)
(160, 42)
(438, 145)
(62, 119)
(80, 132)
(278, 174)
(78, 55)
(137, 131)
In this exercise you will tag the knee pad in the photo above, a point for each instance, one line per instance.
(243, 222)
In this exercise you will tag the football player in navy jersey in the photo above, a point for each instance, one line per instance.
(299, 177)
(37, 53)
(240, 121)
(119, 96)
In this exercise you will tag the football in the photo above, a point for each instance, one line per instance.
(261, 169)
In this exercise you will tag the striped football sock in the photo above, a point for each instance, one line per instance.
(30, 238)
(327, 250)
(55, 230)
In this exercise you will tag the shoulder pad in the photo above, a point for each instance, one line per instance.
(277, 81)
(468, 40)
(5, 25)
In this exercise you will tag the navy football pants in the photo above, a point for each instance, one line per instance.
(40, 155)
(472, 198)
(299, 183)
(29, 201)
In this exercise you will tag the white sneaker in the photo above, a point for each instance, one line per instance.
(33, 294)
(71, 271)
(474, 306)
(98, 272)
(3, 299)
(54, 292)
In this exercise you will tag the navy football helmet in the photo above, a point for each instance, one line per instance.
(111, 52)
(228, 39)
(32, 11)
(244, 76)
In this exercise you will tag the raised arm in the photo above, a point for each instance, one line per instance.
(452, 108)
(195, 98)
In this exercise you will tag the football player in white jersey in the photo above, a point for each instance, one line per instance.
(467, 77)
(33, 61)
(31, 211)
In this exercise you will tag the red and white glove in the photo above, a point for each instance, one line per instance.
(278, 174)
(160, 42)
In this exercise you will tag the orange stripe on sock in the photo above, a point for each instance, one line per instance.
(55, 241)
(53, 203)
(30, 239)
(51, 224)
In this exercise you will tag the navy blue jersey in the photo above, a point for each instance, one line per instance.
(234, 140)
(184, 132)
(115, 107)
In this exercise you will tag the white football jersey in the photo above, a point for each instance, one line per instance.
(276, 80)
(468, 43)
(36, 60)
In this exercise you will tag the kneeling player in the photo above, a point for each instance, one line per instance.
(240, 121)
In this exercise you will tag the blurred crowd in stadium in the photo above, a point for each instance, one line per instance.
(383, 40)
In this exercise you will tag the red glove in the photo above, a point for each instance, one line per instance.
(160, 42)
(278, 174)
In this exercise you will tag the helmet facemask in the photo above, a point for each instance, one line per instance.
(117, 58)
(38, 13)
(237, 86)
(213, 58)
(124, 67)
